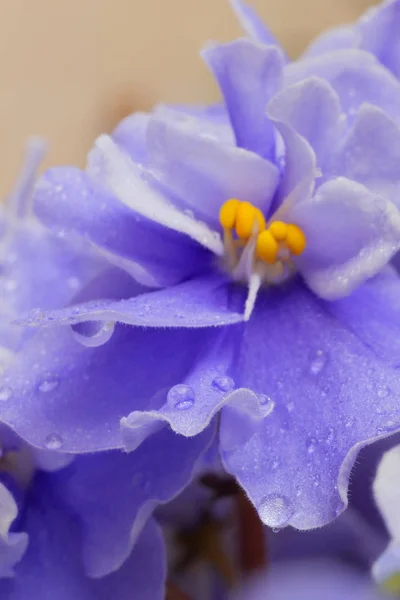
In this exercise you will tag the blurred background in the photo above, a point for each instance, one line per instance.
(70, 69)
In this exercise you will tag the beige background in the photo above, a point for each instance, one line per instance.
(71, 68)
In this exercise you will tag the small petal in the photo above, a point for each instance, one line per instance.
(249, 75)
(351, 235)
(312, 109)
(252, 24)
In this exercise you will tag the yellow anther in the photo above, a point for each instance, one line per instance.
(228, 213)
(295, 240)
(247, 217)
(267, 247)
(279, 230)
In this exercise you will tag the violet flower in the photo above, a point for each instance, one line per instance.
(278, 315)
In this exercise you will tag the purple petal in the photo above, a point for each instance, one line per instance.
(201, 302)
(344, 37)
(203, 173)
(252, 24)
(328, 394)
(370, 153)
(311, 580)
(355, 75)
(68, 201)
(52, 567)
(312, 109)
(69, 397)
(379, 31)
(249, 75)
(12, 545)
(130, 134)
(113, 494)
(351, 235)
(372, 313)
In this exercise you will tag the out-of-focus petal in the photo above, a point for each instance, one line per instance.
(130, 134)
(252, 24)
(379, 32)
(370, 153)
(52, 567)
(12, 545)
(113, 494)
(310, 580)
(325, 394)
(338, 38)
(351, 235)
(312, 109)
(355, 75)
(249, 75)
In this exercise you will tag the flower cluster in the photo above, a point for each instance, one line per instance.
(212, 296)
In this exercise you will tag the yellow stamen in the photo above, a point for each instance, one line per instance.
(267, 247)
(247, 217)
(228, 213)
(279, 230)
(295, 240)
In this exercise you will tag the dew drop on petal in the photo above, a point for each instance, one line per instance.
(276, 510)
(5, 393)
(312, 444)
(267, 404)
(53, 441)
(318, 362)
(48, 385)
(223, 383)
(181, 396)
(330, 434)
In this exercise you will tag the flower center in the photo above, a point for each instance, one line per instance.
(276, 241)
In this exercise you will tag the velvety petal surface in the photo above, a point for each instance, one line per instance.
(312, 109)
(63, 395)
(249, 75)
(114, 493)
(52, 567)
(379, 29)
(193, 167)
(355, 75)
(69, 201)
(325, 393)
(351, 235)
(201, 302)
(370, 153)
(337, 38)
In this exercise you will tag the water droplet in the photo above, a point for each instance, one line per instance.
(53, 442)
(48, 385)
(312, 444)
(330, 434)
(5, 393)
(267, 404)
(318, 362)
(276, 510)
(181, 396)
(276, 529)
(223, 383)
